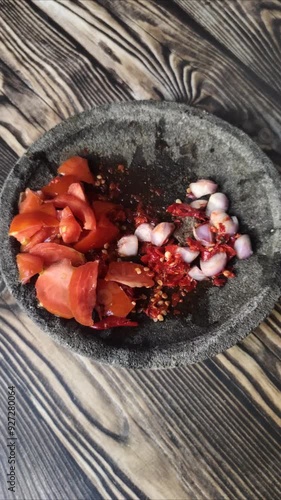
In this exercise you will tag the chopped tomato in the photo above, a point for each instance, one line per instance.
(28, 266)
(52, 288)
(129, 274)
(79, 167)
(80, 209)
(113, 321)
(53, 252)
(44, 234)
(23, 226)
(113, 299)
(106, 232)
(69, 228)
(102, 208)
(77, 190)
(59, 185)
(82, 292)
(33, 202)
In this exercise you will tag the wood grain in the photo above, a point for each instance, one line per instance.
(86, 431)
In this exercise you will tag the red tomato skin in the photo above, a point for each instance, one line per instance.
(69, 228)
(59, 185)
(114, 300)
(28, 266)
(52, 288)
(79, 167)
(106, 232)
(77, 190)
(129, 273)
(79, 208)
(82, 292)
(54, 252)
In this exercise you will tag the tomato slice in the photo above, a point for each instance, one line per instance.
(79, 167)
(59, 185)
(33, 202)
(113, 299)
(106, 232)
(80, 209)
(52, 288)
(77, 190)
(82, 292)
(44, 234)
(23, 226)
(102, 208)
(53, 252)
(70, 229)
(28, 266)
(129, 273)
(113, 321)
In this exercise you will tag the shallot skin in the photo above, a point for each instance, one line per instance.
(203, 187)
(243, 247)
(161, 233)
(214, 265)
(128, 246)
(217, 201)
(144, 232)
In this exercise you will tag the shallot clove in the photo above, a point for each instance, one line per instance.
(217, 201)
(198, 204)
(203, 187)
(243, 247)
(215, 265)
(186, 254)
(144, 232)
(197, 274)
(128, 246)
(223, 222)
(203, 234)
(161, 233)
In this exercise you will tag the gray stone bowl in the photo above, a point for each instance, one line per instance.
(165, 145)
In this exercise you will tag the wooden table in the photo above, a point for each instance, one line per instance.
(85, 431)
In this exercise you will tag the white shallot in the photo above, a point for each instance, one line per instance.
(198, 204)
(128, 246)
(203, 187)
(187, 255)
(214, 265)
(243, 247)
(217, 201)
(161, 233)
(203, 234)
(197, 274)
(144, 232)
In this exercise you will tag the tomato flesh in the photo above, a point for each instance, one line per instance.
(44, 234)
(52, 288)
(79, 208)
(69, 228)
(129, 274)
(113, 299)
(59, 185)
(82, 292)
(54, 252)
(28, 266)
(79, 167)
(24, 226)
(106, 232)
(77, 190)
